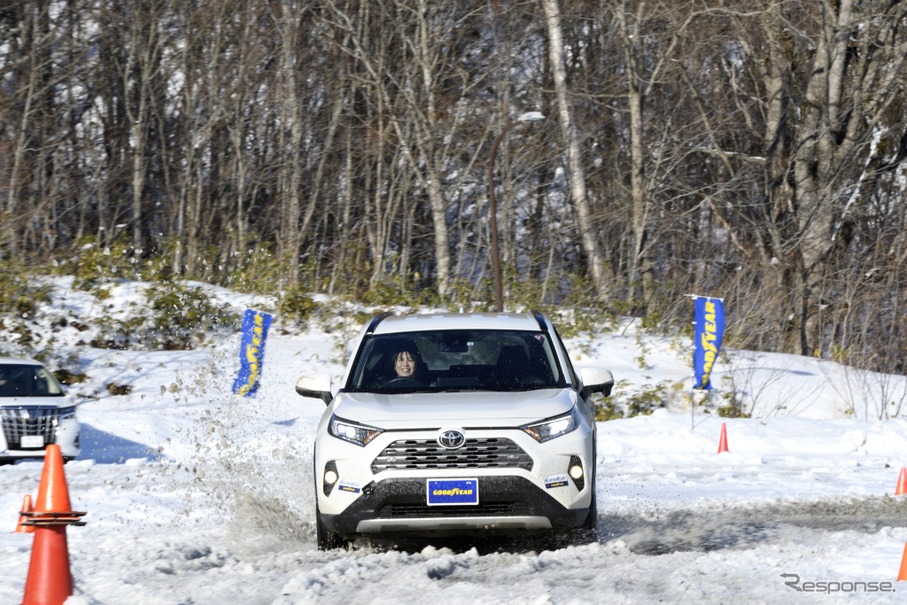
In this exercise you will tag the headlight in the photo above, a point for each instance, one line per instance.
(553, 427)
(359, 434)
(67, 413)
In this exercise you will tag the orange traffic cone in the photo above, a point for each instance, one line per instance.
(902, 574)
(53, 495)
(902, 483)
(722, 441)
(49, 579)
(22, 526)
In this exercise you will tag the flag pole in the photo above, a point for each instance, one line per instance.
(693, 297)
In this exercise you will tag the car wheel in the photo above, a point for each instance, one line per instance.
(587, 533)
(327, 540)
(589, 529)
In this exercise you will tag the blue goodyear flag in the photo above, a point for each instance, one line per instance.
(255, 326)
(708, 330)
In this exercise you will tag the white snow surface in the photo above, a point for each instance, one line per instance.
(196, 496)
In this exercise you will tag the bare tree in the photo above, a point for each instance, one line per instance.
(573, 152)
(749, 150)
(31, 42)
(407, 58)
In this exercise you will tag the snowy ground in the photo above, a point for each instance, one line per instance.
(197, 497)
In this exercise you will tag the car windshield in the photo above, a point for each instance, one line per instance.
(456, 360)
(25, 380)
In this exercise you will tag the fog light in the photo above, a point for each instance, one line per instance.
(330, 477)
(577, 472)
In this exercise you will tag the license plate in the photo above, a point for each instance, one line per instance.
(32, 441)
(452, 492)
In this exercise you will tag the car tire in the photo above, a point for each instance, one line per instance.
(587, 533)
(326, 540)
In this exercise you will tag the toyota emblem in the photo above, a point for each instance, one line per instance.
(451, 439)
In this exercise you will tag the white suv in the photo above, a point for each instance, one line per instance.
(34, 412)
(453, 423)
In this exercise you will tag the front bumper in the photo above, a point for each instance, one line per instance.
(64, 432)
(382, 490)
(508, 504)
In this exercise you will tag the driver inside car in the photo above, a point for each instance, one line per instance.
(408, 366)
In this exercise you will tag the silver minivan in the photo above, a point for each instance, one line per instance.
(35, 412)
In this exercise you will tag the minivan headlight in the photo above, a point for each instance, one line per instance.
(552, 427)
(360, 434)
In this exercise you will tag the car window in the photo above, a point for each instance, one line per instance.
(23, 380)
(499, 360)
(574, 377)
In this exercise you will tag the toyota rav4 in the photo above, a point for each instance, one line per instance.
(453, 424)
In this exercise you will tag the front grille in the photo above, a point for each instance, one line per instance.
(422, 454)
(484, 509)
(19, 422)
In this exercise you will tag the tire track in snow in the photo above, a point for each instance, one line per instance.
(705, 530)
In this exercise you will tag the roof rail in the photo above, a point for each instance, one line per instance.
(375, 321)
(541, 319)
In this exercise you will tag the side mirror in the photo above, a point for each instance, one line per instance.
(316, 387)
(596, 380)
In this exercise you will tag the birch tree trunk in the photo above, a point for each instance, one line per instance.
(639, 199)
(291, 116)
(141, 67)
(574, 158)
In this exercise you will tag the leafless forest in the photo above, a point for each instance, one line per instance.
(747, 149)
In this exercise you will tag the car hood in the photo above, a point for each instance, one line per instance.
(474, 408)
(35, 402)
